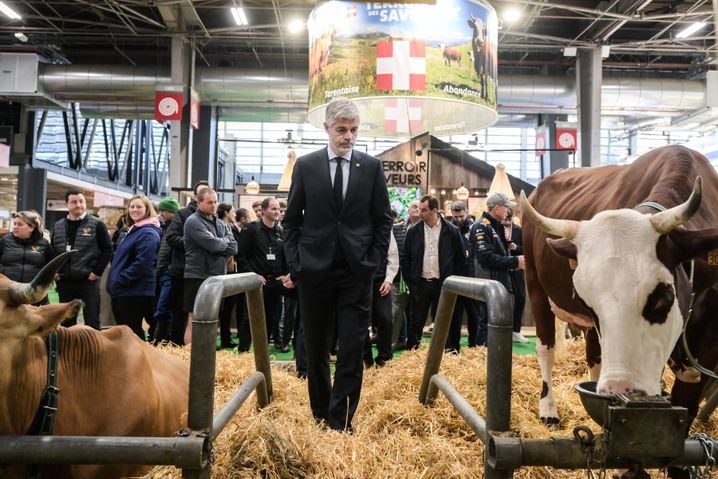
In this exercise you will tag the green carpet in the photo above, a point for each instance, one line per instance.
(518, 348)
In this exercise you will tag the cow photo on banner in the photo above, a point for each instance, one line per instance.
(411, 67)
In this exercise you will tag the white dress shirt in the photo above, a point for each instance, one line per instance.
(346, 168)
(430, 268)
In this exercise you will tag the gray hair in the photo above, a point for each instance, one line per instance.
(340, 109)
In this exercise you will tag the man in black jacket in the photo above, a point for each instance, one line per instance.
(261, 250)
(433, 251)
(175, 239)
(79, 278)
(461, 220)
(489, 246)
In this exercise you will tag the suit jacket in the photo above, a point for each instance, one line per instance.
(452, 255)
(313, 225)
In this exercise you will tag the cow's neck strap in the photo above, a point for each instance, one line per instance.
(44, 420)
(651, 204)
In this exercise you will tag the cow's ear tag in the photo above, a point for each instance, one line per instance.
(713, 257)
(572, 263)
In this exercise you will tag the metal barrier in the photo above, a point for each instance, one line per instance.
(192, 449)
(498, 360)
(503, 453)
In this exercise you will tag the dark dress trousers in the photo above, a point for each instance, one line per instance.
(335, 296)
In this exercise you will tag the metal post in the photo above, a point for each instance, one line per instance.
(204, 356)
(498, 362)
(260, 342)
(442, 323)
(203, 362)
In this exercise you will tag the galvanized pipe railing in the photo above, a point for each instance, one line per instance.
(222, 418)
(185, 452)
(498, 362)
(191, 451)
(203, 360)
(566, 453)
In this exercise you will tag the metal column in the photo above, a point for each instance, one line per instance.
(204, 147)
(588, 88)
(181, 131)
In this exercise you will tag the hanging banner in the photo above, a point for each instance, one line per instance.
(566, 136)
(194, 109)
(436, 62)
(168, 105)
(541, 140)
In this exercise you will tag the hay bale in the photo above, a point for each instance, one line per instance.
(395, 436)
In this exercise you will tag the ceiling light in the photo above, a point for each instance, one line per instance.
(511, 15)
(240, 17)
(9, 12)
(21, 36)
(462, 192)
(690, 29)
(295, 26)
(252, 188)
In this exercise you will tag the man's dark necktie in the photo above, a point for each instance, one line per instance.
(339, 260)
(338, 183)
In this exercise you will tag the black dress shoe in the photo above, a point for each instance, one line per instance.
(229, 345)
(284, 348)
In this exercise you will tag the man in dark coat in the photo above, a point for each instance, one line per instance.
(461, 220)
(174, 236)
(491, 249)
(336, 229)
(433, 251)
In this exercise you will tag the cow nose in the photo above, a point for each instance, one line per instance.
(616, 386)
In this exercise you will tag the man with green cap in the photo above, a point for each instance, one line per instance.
(163, 315)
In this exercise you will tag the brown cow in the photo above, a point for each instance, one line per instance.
(111, 383)
(630, 276)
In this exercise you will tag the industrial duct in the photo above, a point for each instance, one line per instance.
(270, 95)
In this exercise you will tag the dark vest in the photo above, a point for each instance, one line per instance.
(88, 252)
(399, 230)
(21, 260)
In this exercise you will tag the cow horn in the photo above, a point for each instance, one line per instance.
(666, 221)
(34, 291)
(563, 228)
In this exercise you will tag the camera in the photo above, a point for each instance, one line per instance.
(419, 151)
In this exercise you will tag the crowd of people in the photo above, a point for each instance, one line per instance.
(339, 268)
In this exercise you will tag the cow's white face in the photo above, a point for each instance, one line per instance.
(633, 294)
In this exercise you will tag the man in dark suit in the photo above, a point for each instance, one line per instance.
(336, 232)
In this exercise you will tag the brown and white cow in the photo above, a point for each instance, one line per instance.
(111, 383)
(630, 269)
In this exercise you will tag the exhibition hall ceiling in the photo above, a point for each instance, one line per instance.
(643, 35)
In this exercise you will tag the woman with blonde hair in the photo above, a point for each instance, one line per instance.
(132, 280)
(25, 250)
